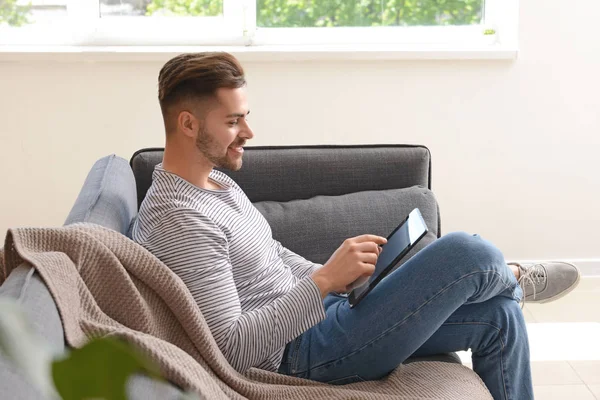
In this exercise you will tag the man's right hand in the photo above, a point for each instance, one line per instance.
(356, 257)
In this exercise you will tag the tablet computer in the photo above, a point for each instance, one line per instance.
(399, 243)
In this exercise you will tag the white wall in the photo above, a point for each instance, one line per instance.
(514, 143)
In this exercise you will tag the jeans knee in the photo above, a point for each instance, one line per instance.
(506, 322)
(473, 252)
(509, 316)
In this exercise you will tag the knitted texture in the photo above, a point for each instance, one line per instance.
(104, 284)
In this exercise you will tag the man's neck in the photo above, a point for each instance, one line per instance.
(192, 169)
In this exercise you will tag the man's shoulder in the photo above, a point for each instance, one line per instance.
(163, 203)
(159, 205)
(174, 220)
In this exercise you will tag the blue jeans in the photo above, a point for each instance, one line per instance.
(455, 294)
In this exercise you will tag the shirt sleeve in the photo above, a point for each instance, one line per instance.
(194, 247)
(300, 267)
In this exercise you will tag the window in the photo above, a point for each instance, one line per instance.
(121, 22)
(331, 13)
(258, 22)
(20, 19)
(165, 8)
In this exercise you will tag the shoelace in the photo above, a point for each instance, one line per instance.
(531, 275)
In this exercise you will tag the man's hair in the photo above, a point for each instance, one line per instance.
(193, 77)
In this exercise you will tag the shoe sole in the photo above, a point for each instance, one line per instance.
(564, 292)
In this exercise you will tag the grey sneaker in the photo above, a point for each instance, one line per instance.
(547, 281)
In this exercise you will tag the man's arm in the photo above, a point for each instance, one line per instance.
(193, 247)
(299, 266)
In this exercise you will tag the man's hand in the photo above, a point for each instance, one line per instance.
(356, 257)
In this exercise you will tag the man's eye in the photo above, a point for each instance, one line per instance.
(233, 123)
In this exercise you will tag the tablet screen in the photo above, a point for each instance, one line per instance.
(399, 243)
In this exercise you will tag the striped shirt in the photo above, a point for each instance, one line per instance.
(255, 294)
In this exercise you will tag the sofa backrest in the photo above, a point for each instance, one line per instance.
(284, 173)
(316, 196)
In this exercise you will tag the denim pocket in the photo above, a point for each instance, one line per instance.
(346, 380)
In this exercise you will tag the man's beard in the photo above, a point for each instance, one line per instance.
(211, 150)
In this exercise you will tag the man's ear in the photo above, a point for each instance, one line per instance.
(188, 124)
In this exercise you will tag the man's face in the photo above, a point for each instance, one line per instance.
(225, 129)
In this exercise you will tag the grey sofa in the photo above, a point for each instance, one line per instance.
(314, 197)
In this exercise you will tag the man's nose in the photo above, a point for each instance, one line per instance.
(249, 133)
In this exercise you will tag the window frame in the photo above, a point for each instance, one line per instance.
(236, 31)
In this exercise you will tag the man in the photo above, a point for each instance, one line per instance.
(272, 309)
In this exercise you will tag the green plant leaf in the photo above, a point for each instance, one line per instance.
(99, 369)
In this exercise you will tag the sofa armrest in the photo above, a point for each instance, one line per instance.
(108, 196)
(26, 286)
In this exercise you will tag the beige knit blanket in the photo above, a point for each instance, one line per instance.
(105, 284)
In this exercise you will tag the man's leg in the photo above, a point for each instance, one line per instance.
(495, 332)
(406, 309)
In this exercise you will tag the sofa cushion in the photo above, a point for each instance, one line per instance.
(108, 196)
(316, 227)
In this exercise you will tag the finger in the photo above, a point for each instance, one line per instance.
(373, 247)
(371, 238)
(367, 268)
(367, 247)
(370, 258)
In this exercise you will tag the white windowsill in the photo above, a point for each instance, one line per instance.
(259, 53)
